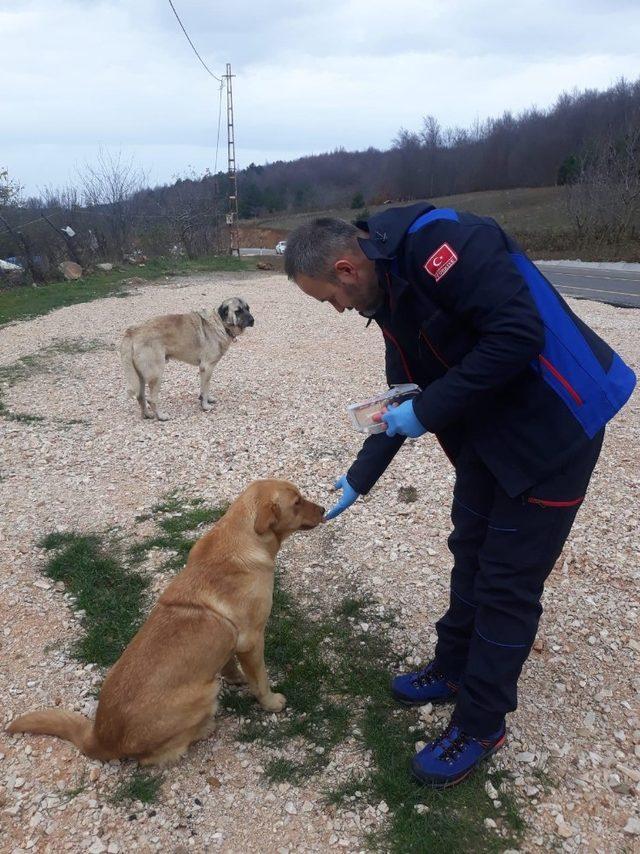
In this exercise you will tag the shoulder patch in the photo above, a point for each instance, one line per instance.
(442, 260)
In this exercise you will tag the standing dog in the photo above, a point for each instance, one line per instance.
(161, 694)
(198, 338)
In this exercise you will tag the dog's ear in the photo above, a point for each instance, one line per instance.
(223, 311)
(267, 516)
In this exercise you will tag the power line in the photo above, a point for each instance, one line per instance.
(204, 64)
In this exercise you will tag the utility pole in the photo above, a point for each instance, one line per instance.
(232, 212)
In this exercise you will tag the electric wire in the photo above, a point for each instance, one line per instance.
(193, 47)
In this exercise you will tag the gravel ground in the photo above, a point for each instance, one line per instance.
(281, 394)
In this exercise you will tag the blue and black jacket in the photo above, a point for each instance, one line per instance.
(501, 359)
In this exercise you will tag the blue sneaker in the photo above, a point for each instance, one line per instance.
(428, 685)
(453, 756)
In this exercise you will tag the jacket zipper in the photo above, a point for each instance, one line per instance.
(388, 335)
(405, 364)
(544, 502)
(562, 380)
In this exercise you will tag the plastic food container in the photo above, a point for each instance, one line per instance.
(361, 414)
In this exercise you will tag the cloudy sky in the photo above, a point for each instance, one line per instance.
(80, 74)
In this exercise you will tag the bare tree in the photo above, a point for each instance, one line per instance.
(604, 196)
(110, 187)
(10, 191)
(432, 142)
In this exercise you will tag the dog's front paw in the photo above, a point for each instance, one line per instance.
(273, 702)
(205, 406)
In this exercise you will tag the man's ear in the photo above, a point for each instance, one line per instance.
(266, 517)
(343, 265)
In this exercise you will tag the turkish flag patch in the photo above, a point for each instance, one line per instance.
(442, 260)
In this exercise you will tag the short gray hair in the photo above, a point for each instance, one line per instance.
(313, 248)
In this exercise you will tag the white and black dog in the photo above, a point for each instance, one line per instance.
(198, 338)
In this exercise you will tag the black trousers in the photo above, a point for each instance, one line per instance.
(503, 548)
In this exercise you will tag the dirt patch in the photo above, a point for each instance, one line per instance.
(261, 238)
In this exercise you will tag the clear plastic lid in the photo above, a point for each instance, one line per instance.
(362, 413)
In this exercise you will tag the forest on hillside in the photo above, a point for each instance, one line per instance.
(588, 141)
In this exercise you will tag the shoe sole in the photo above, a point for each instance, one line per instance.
(447, 784)
(439, 701)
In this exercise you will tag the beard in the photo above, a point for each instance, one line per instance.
(366, 297)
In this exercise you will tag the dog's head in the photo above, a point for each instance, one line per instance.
(235, 315)
(281, 509)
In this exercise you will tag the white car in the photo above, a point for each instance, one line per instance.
(280, 247)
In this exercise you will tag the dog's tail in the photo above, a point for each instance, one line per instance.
(133, 377)
(71, 726)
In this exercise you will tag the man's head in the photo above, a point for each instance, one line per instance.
(324, 258)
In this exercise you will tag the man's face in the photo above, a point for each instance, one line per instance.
(356, 287)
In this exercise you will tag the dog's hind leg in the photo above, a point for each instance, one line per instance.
(232, 674)
(206, 369)
(155, 380)
(177, 745)
(171, 750)
(141, 397)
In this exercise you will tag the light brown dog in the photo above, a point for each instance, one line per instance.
(198, 338)
(161, 694)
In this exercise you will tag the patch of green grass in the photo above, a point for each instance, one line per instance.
(335, 672)
(538, 217)
(281, 770)
(302, 668)
(141, 786)
(347, 791)
(74, 791)
(545, 780)
(38, 363)
(20, 417)
(180, 522)
(110, 596)
(23, 302)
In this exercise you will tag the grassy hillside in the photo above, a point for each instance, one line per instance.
(537, 217)
(523, 208)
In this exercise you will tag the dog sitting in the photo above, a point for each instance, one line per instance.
(198, 338)
(161, 694)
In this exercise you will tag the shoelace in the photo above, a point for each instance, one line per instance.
(456, 745)
(427, 677)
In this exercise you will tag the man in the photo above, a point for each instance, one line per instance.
(517, 389)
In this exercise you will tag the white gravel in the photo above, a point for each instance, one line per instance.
(282, 392)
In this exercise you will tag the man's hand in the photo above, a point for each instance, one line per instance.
(349, 495)
(401, 420)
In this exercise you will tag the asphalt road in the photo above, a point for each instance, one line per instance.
(616, 287)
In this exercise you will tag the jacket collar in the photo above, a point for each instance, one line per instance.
(387, 230)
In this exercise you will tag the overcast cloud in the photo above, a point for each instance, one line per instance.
(79, 74)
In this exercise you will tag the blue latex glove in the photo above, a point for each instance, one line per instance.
(349, 495)
(401, 420)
